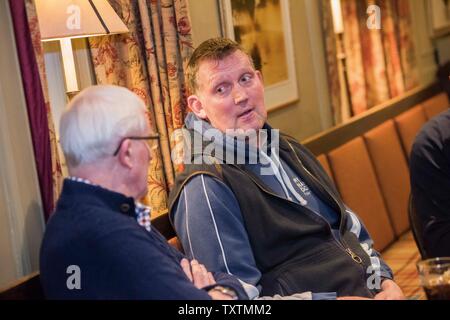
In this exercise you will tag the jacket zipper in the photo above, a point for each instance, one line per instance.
(342, 242)
(347, 250)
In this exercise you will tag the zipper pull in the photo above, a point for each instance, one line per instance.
(354, 256)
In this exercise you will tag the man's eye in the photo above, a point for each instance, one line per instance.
(246, 78)
(220, 89)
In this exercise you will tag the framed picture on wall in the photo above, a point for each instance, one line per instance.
(263, 28)
(439, 14)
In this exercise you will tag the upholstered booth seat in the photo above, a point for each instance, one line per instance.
(356, 180)
(391, 169)
(436, 105)
(408, 124)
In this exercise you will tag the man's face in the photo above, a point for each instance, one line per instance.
(230, 94)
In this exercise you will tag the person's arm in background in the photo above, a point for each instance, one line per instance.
(389, 290)
(429, 167)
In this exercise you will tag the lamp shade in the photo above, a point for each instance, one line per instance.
(60, 19)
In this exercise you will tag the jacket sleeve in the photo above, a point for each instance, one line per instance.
(209, 224)
(137, 267)
(355, 225)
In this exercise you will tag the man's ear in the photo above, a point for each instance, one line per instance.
(196, 106)
(260, 76)
(125, 154)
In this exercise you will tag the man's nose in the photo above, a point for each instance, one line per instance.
(239, 94)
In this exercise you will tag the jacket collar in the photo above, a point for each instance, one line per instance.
(96, 194)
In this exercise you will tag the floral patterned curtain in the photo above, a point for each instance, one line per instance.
(380, 62)
(332, 62)
(149, 60)
(394, 70)
(38, 52)
(407, 53)
(374, 59)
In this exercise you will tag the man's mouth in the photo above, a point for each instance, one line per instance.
(245, 113)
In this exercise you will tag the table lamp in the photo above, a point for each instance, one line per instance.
(66, 19)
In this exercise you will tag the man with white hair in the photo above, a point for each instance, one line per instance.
(94, 247)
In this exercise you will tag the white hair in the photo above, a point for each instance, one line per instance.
(97, 119)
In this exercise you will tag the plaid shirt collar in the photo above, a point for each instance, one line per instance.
(142, 211)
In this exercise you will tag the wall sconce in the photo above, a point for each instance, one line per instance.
(63, 20)
(338, 27)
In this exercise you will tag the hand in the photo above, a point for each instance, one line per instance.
(217, 295)
(390, 291)
(197, 273)
(352, 298)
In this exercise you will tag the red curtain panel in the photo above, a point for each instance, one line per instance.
(36, 106)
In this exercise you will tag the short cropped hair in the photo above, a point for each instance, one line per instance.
(214, 49)
(97, 119)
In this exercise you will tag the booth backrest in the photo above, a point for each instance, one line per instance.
(436, 105)
(370, 168)
(408, 124)
(356, 180)
(391, 169)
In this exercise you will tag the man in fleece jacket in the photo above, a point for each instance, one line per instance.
(255, 203)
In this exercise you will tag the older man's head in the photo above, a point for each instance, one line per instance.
(225, 88)
(104, 135)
